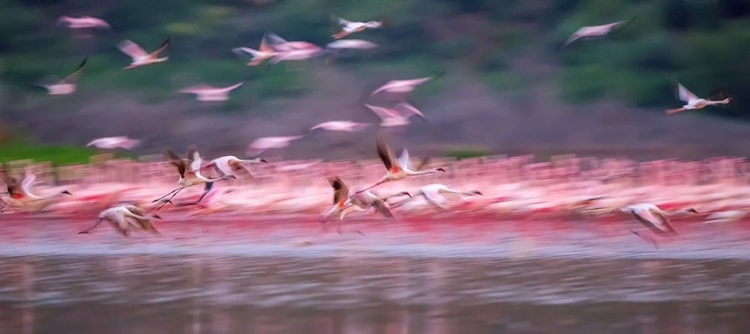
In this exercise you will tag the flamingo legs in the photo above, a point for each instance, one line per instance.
(86, 231)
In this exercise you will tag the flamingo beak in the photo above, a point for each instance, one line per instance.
(440, 169)
(406, 193)
(264, 161)
(157, 216)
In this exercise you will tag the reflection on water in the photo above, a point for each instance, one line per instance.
(362, 294)
(254, 276)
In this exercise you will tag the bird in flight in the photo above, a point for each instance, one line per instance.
(140, 57)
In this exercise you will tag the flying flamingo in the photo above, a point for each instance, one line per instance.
(595, 31)
(433, 193)
(189, 170)
(114, 142)
(350, 27)
(21, 194)
(396, 116)
(402, 86)
(208, 93)
(140, 57)
(656, 219)
(364, 201)
(282, 45)
(83, 22)
(346, 126)
(260, 145)
(122, 218)
(397, 169)
(693, 101)
(230, 165)
(264, 52)
(66, 86)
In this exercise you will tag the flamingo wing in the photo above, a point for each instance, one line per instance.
(403, 160)
(175, 160)
(381, 207)
(382, 112)
(28, 181)
(73, 78)
(131, 49)
(194, 158)
(161, 49)
(435, 198)
(684, 94)
(407, 108)
(384, 153)
(340, 190)
(14, 188)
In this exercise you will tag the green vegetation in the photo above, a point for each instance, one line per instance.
(21, 149)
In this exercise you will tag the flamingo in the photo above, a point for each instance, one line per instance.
(83, 22)
(433, 193)
(260, 145)
(114, 142)
(122, 218)
(189, 170)
(364, 201)
(208, 93)
(350, 27)
(595, 31)
(401, 86)
(351, 44)
(396, 116)
(656, 219)
(397, 169)
(346, 126)
(229, 165)
(21, 194)
(264, 52)
(693, 101)
(66, 86)
(279, 44)
(140, 57)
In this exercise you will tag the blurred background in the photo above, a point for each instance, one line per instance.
(506, 88)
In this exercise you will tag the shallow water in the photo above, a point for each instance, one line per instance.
(265, 276)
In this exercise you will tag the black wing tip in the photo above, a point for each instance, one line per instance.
(83, 62)
(166, 41)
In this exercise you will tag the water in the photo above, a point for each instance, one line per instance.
(407, 277)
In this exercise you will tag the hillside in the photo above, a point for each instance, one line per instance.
(506, 89)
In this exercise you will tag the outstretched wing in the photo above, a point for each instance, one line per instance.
(425, 161)
(684, 94)
(131, 49)
(194, 158)
(161, 49)
(380, 205)
(384, 153)
(403, 160)
(340, 190)
(28, 181)
(73, 78)
(175, 160)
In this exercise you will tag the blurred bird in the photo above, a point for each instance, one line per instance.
(229, 165)
(341, 126)
(140, 57)
(595, 31)
(350, 27)
(265, 143)
(397, 169)
(125, 217)
(114, 142)
(264, 52)
(401, 86)
(83, 22)
(340, 199)
(693, 101)
(351, 44)
(656, 219)
(279, 44)
(364, 201)
(189, 170)
(208, 93)
(396, 116)
(21, 192)
(433, 193)
(57, 86)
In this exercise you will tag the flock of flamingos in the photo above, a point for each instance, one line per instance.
(650, 193)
